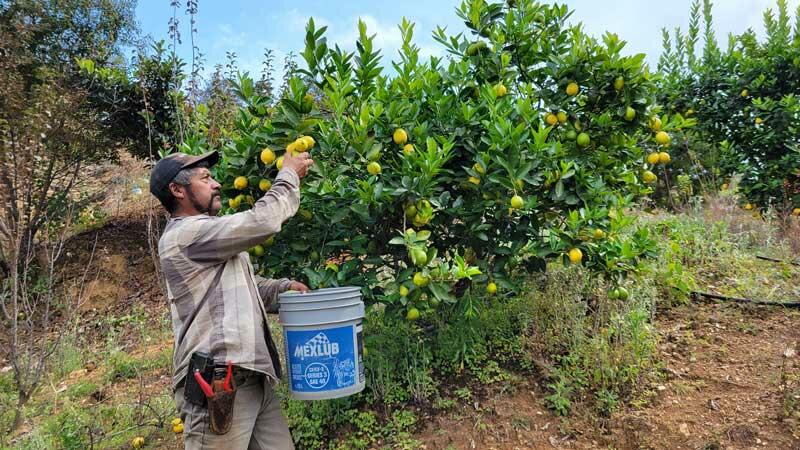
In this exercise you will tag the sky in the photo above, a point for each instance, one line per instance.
(247, 27)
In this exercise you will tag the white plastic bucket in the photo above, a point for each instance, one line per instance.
(324, 346)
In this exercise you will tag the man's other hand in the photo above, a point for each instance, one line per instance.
(298, 286)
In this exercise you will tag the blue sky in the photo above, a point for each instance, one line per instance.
(247, 27)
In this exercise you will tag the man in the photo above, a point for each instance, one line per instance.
(218, 304)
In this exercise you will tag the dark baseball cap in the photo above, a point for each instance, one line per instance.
(165, 170)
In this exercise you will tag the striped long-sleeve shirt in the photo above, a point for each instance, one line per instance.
(218, 304)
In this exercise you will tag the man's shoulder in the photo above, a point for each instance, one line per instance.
(180, 229)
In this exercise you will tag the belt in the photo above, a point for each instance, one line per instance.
(240, 376)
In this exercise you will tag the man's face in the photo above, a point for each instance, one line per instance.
(204, 192)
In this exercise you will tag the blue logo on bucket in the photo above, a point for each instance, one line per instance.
(321, 360)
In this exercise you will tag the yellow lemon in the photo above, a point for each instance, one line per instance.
(137, 442)
(649, 177)
(619, 83)
(279, 164)
(403, 291)
(478, 168)
(500, 90)
(240, 183)
(420, 280)
(267, 156)
(412, 314)
(662, 138)
(491, 288)
(517, 202)
(725, 186)
(309, 142)
(664, 158)
(562, 117)
(400, 136)
(233, 203)
(264, 184)
(177, 429)
(176, 421)
(374, 168)
(655, 124)
(759, 120)
(474, 180)
(291, 147)
(744, 93)
(652, 159)
(573, 89)
(408, 149)
(300, 145)
(258, 250)
(630, 114)
(796, 212)
(599, 234)
(748, 206)
(551, 119)
(575, 256)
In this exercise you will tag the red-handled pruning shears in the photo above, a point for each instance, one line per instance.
(204, 386)
(228, 376)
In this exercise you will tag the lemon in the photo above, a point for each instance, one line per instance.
(176, 421)
(478, 168)
(748, 206)
(652, 159)
(177, 429)
(551, 119)
(279, 164)
(573, 89)
(403, 291)
(233, 203)
(411, 211)
(240, 183)
(655, 124)
(662, 138)
(412, 314)
(562, 117)
(613, 294)
(759, 120)
(291, 147)
(619, 83)
(408, 149)
(571, 135)
(689, 112)
(258, 250)
(268, 242)
(575, 256)
(420, 280)
(649, 177)
(474, 180)
(374, 168)
(630, 114)
(583, 139)
(264, 184)
(744, 93)
(500, 90)
(491, 288)
(300, 145)
(137, 442)
(796, 212)
(519, 184)
(309, 142)
(419, 257)
(598, 233)
(400, 136)
(623, 293)
(517, 202)
(664, 158)
(267, 156)
(725, 186)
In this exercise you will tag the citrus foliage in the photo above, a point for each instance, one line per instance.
(515, 150)
(746, 105)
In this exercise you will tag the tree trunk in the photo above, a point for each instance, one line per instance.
(19, 414)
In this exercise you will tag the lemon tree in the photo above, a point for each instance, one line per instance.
(452, 175)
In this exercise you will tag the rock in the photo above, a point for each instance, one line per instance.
(684, 429)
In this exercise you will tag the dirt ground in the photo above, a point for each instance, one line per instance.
(722, 390)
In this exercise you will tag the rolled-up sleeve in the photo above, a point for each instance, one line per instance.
(269, 289)
(211, 240)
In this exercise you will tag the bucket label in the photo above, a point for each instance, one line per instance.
(322, 360)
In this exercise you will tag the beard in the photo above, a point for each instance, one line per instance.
(207, 208)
